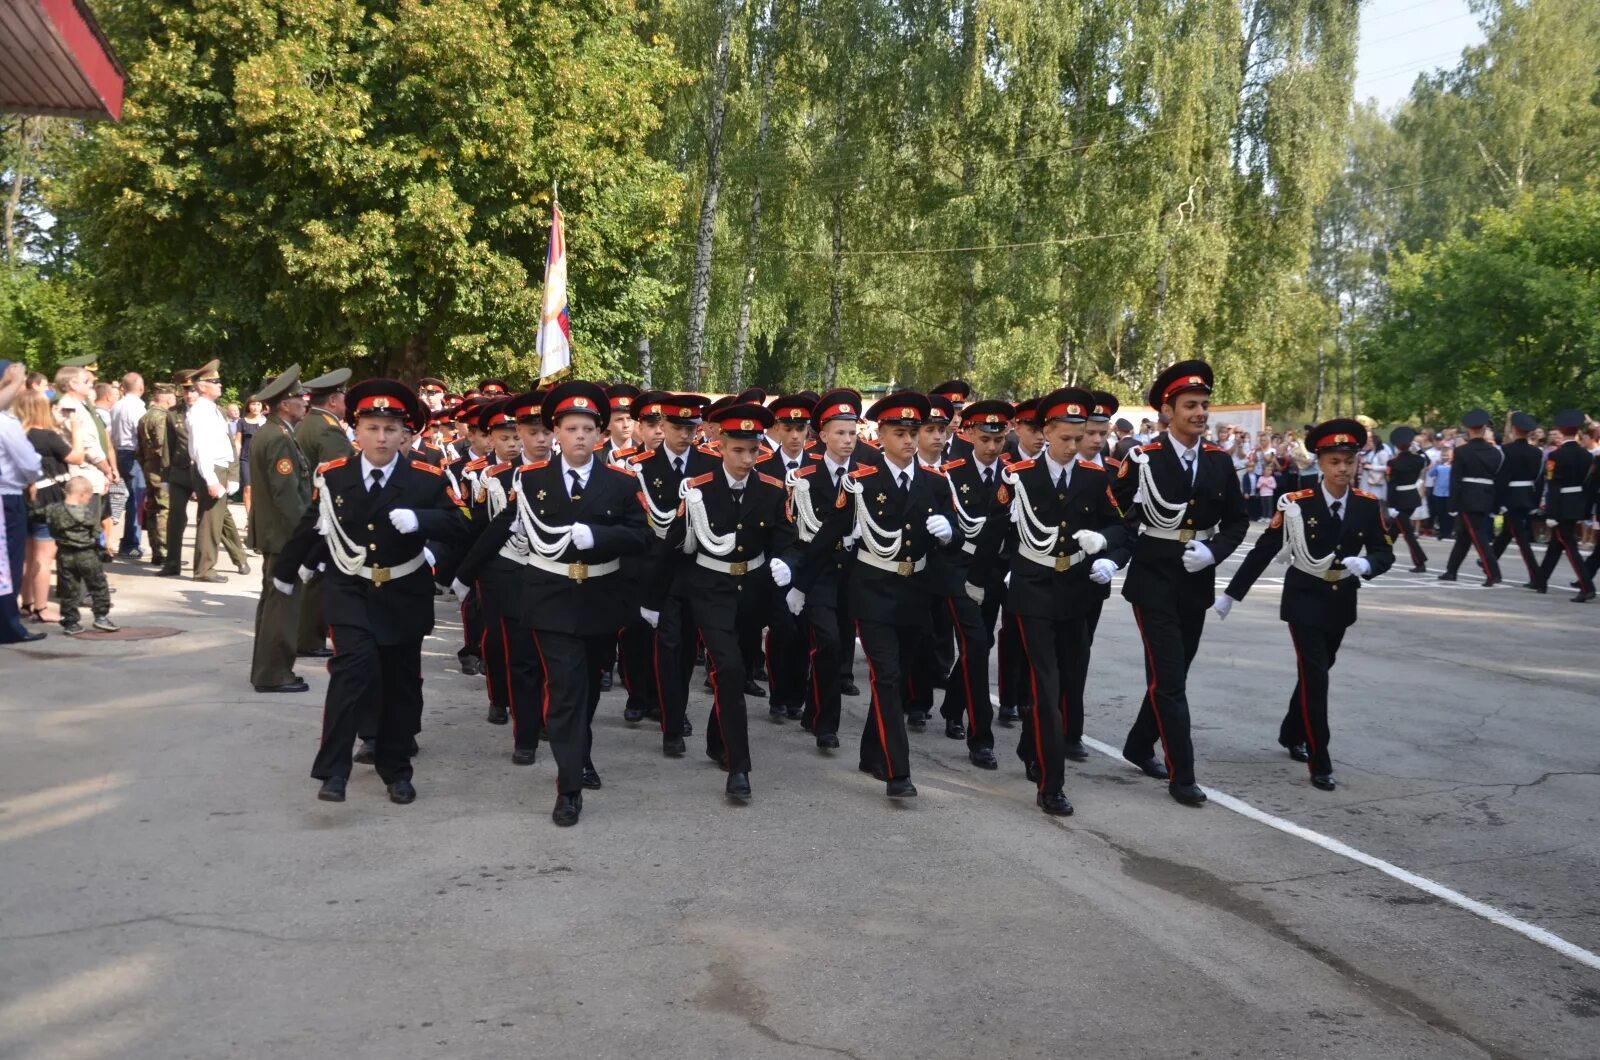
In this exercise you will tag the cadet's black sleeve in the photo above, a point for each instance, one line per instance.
(1379, 542)
(442, 520)
(671, 560)
(1235, 516)
(631, 533)
(836, 525)
(297, 552)
(1267, 546)
(488, 545)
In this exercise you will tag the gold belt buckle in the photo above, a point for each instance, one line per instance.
(740, 568)
(1063, 563)
(380, 575)
(1335, 575)
(906, 568)
(578, 572)
(1185, 535)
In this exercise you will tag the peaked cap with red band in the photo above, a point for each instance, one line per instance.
(682, 409)
(385, 397)
(497, 413)
(743, 419)
(1181, 378)
(957, 390)
(1336, 436)
(1070, 403)
(1026, 413)
(575, 396)
(524, 408)
(623, 397)
(793, 408)
(940, 409)
(1104, 406)
(990, 417)
(494, 387)
(904, 408)
(840, 404)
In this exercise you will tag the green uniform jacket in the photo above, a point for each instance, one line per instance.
(321, 438)
(180, 465)
(151, 436)
(280, 485)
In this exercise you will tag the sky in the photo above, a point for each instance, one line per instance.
(1403, 38)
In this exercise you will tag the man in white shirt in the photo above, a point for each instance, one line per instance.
(125, 416)
(212, 450)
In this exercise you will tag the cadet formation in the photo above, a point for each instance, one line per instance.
(587, 533)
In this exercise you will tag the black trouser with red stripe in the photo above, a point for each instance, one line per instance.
(1478, 533)
(1013, 670)
(1078, 684)
(968, 691)
(891, 652)
(471, 628)
(1051, 648)
(1514, 526)
(1564, 540)
(636, 651)
(1171, 638)
(1307, 720)
(674, 662)
(571, 689)
(821, 625)
(366, 681)
(786, 656)
(1404, 516)
(728, 731)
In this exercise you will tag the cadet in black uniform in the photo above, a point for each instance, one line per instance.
(1091, 450)
(1025, 443)
(1566, 471)
(1066, 526)
(957, 392)
(731, 543)
(1327, 531)
(369, 522)
(1518, 488)
(1182, 500)
(1476, 464)
(786, 648)
(1405, 491)
(937, 655)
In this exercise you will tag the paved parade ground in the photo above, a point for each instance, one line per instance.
(171, 887)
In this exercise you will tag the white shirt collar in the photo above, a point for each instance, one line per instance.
(1054, 468)
(1329, 499)
(583, 472)
(981, 466)
(368, 467)
(1180, 449)
(739, 483)
(833, 468)
(896, 472)
(677, 458)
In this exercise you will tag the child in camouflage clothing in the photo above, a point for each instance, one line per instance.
(76, 526)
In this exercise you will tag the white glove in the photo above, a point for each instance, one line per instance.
(1394, 513)
(1197, 557)
(795, 600)
(1550, 522)
(427, 557)
(781, 575)
(1101, 571)
(940, 528)
(286, 588)
(974, 593)
(582, 536)
(1090, 541)
(652, 617)
(1223, 605)
(404, 520)
(306, 574)
(461, 590)
(1357, 565)
(850, 541)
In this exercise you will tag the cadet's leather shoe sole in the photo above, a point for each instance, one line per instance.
(568, 809)
(315, 653)
(1583, 598)
(472, 666)
(1007, 716)
(901, 789)
(827, 742)
(983, 758)
(1536, 587)
(915, 720)
(738, 785)
(1150, 767)
(754, 690)
(1323, 781)
(1054, 803)
(402, 793)
(632, 715)
(1188, 794)
(1419, 569)
(954, 730)
(498, 715)
(1447, 577)
(332, 790)
(673, 746)
(297, 685)
(1299, 753)
(1077, 751)
(524, 756)
(591, 778)
(848, 688)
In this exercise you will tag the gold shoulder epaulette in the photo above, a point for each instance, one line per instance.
(1022, 465)
(1364, 493)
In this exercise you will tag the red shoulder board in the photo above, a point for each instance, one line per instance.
(1364, 493)
(614, 467)
(501, 467)
(1300, 495)
(801, 472)
(323, 469)
(1090, 465)
(1022, 465)
(766, 454)
(639, 458)
(1113, 462)
(772, 481)
(764, 448)
(863, 472)
(1149, 447)
(477, 464)
(536, 465)
(423, 465)
(951, 465)
(706, 449)
(935, 470)
(812, 455)
(702, 479)
(1208, 447)
(629, 451)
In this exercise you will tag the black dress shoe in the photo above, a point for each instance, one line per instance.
(915, 719)
(954, 730)
(632, 715)
(1583, 598)
(315, 653)
(1054, 803)
(738, 785)
(1323, 781)
(753, 688)
(1487, 582)
(244, 567)
(901, 789)
(673, 746)
(983, 758)
(212, 579)
(524, 756)
(1007, 716)
(297, 685)
(1031, 770)
(1536, 587)
(1188, 794)
(367, 753)
(794, 712)
(169, 572)
(591, 778)
(848, 687)
(402, 792)
(1447, 577)
(775, 712)
(332, 790)
(1150, 767)
(568, 808)
(828, 741)
(688, 727)
(1077, 751)
(1299, 753)
(1419, 569)
(472, 666)
(498, 715)
(32, 635)
(606, 680)
(873, 771)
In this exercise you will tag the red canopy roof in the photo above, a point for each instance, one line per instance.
(54, 60)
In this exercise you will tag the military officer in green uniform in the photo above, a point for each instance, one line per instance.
(151, 452)
(180, 470)
(322, 437)
(282, 479)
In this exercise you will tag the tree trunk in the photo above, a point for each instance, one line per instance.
(747, 288)
(1322, 375)
(700, 280)
(971, 55)
(645, 365)
(830, 374)
(14, 198)
(408, 362)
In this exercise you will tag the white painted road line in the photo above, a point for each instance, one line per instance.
(1488, 912)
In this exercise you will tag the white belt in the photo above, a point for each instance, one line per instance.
(1528, 483)
(378, 575)
(1178, 535)
(1570, 489)
(1479, 481)
(1413, 486)
(1333, 574)
(742, 567)
(1045, 559)
(578, 572)
(903, 567)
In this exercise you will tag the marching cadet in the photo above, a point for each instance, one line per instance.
(1405, 491)
(1517, 487)
(900, 513)
(974, 482)
(728, 542)
(1065, 530)
(786, 649)
(636, 643)
(1182, 500)
(1327, 529)
(369, 521)
(463, 479)
(1091, 450)
(661, 475)
(823, 521)
(322, 437)
(616, 449)
(579, 516)
(282, 478)
(619, 443)
(1472, 496)
(493, 388)
(957, 392)
(937, 655)
(1025, 443)
(496, 586)
(1566, 470)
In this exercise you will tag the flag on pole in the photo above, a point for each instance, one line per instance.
(555, 329)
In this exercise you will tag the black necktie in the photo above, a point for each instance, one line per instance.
(677, 466)
(793, 464)
(901, 479)
(577, 485)
(1188, 465)
(1061, 483)
(1338, 519)
(988, 476)
(377, 480)
(738, 495)
(838, 477)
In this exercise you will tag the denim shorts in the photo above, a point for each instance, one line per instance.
(39, 530)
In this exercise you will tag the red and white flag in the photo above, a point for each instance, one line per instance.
(555, 329)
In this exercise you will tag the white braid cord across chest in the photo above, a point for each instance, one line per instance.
(884, 544)
(698, 535)
(1032, 533)
(1155, 510)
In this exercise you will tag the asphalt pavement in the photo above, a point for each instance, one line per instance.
(170, 886)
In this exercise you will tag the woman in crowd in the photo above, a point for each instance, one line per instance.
(57, 455)
(254, 416)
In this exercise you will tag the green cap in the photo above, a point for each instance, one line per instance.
(334, 380)
(90, 361)
(282, 386)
